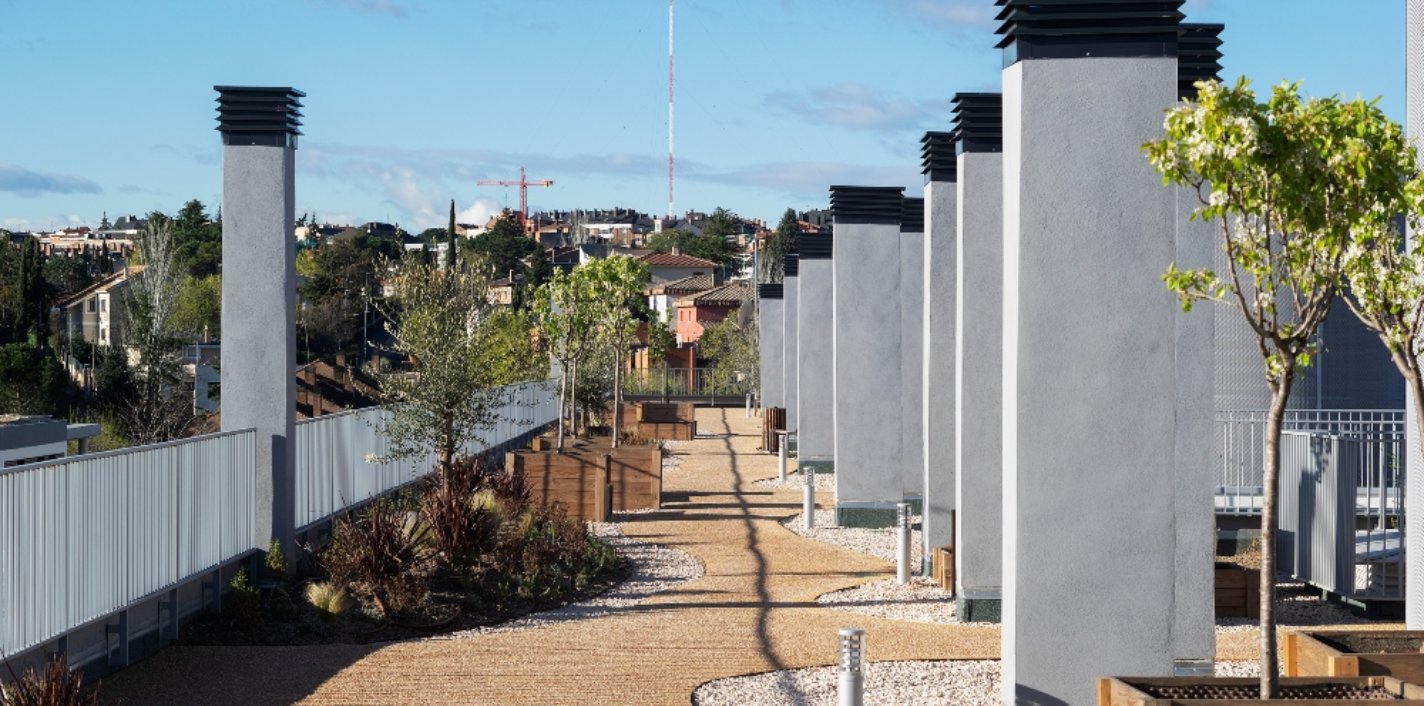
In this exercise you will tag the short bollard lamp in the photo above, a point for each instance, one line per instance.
(781, 455)
(851, 685)
(902, 543)
(808, 496)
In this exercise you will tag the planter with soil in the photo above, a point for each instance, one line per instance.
(1199, 691)
(1393, 653)
(1238, 591)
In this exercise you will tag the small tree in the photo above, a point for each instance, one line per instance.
(1288, 181)
(159, 411)
(616, 283)
(449, 395)
(450, 243)
(778, 244)
(565, 316)
(661, 341)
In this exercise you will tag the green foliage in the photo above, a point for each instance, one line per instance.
(508, 350)
(782, 241)
(380, 550)
(661, 341)
(708, 246)
(276, 561)
(160, 410)
(733, 353)
(244, 602)
(66, 275)
(500, 250)
(617, 283)
(33, 293)
(32, 381)
(329, 598)
(56, 685)
(197, 240)
(197, 310)
(451, 247)
(451, 392)
(566, 313)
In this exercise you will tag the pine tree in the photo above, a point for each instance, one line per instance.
(450, 239)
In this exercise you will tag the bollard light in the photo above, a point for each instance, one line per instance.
(902, 543)
(781, 457)
(749, 405)
(851, 687)
(808, 496)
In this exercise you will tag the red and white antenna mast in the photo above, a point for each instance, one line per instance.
(670, 112)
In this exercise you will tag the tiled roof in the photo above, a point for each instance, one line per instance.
(667, 259)
(102, 285)
(686, 285)
(726, 295)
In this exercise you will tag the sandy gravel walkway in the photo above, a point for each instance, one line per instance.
(753, 610)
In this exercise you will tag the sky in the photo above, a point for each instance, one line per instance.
(109, 105)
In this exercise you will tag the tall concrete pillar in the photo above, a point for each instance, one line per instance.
(1414, 492)
(815, 370)
(788, 336)
(912, 349)
(866, 264)
(769, 324)
(978, 358)
(1197, 244)
(938, 272)
(1094, 444)
(259, 352)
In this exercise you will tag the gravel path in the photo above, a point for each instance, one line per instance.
(654, 569)
(921, 600)
(879, 543)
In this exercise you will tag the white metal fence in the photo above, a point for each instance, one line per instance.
(84, 538)
(332, 451)
(88, 537)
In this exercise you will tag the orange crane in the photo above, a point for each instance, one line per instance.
(523, 185)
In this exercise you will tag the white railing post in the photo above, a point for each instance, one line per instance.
(902, 543)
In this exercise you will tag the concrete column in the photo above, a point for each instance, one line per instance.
(868, 359)
(1414, 492)
(978, 358)
(912, 350)
(1094, 450)
(788, 335)
(938, 272)
(259, 129)
(815, 372)
(769, 302)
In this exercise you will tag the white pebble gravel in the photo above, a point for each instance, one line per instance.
(879, 543)
(795, 481)
(957, 683)
(654, 568)
(1297, 605)
(921, 601)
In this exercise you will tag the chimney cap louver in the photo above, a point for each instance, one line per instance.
(867, 204)
(912, 215)
(769, 290)
(937, 160)
(819, 246)
(1065, 29)
(1198, 57)
(978, 122)
(259, 115)
(790, 265)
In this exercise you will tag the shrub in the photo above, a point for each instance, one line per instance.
(383, 549)
(511, 491)
(276, 562)
(55, 686)
(459, 529)
(330, 598)
(244, 603)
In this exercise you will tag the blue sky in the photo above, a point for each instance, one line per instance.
(109, 105)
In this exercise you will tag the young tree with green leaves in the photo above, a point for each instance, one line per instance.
(661, 341)
(617, 284)
(731, 347)
(439, 319)
(564, 312)
(1288, 181)
(159, 411)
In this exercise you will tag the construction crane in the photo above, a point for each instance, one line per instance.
(523, 185)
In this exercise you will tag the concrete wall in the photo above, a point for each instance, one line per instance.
(978, 410)
(912, 367)
(815, 371)
(1092, 340)
(769, 330)
(869, 456)
(938, 266)
(788, 347)
(259, 323)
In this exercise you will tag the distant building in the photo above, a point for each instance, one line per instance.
(662, 297)
(34, 439)
(95, 314)
(669, 267)
(697, 311)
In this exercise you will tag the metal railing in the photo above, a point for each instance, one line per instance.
(84, 538)
(1241, 449)
(335, 466)
(686, 382)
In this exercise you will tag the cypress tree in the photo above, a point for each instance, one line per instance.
(450, 239)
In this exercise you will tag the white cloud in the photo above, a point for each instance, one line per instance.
(479, 212)
(854, 106)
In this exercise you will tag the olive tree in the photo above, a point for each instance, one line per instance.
(615, 284)
(564, 313)
(1287, 182)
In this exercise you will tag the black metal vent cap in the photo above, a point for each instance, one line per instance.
(1198, 57)
(867, 204)
(769, 290)
(912, 215)
(1068, 29)
(937, 160)
(790, 265)
(978, 122)
(819, 246)
(256, 115)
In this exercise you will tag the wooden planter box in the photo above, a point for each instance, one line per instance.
(578, 481)
(942, 564)
(635, 474)
(1393, 653)
(1138, 691)
(1238, 591)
